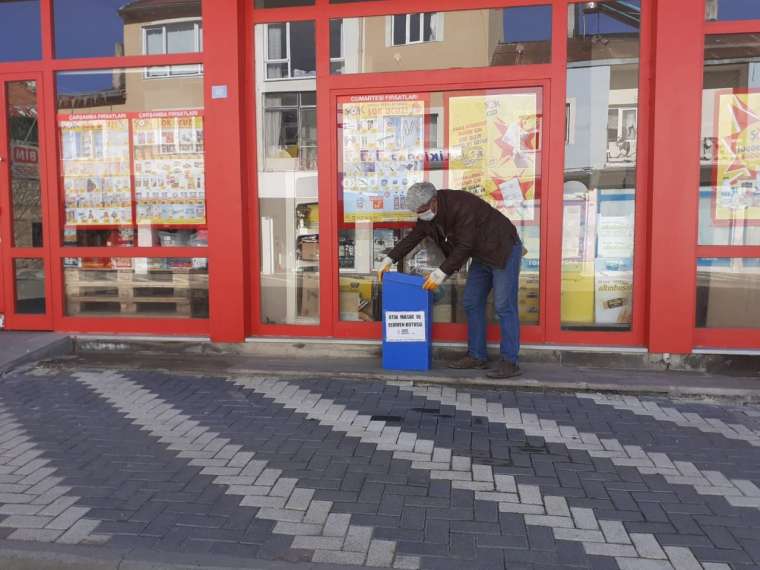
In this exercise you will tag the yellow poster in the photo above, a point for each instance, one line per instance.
(95, 170)
(494, 150)
(383, 154)
(737, 180)
(169, 167)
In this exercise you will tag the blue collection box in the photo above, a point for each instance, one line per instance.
(407, 310)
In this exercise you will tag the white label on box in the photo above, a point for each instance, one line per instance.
(405, 326)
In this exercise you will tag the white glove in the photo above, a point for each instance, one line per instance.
(434, 280)
(385, 265)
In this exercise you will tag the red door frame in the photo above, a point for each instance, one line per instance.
(442, 332)
(636, 336)
(10, 252)
(551, 76)
(734, 338)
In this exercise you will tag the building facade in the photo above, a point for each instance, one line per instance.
(237, 169)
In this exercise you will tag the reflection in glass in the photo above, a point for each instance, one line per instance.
(282, 3)
(439, 40)
(732, 10)
(728, 293)
(389, 142)
(24, 159)
(290, 50)
(168, 287)
(126, 27)
(132, 159)
(20, 37)
(29, 283)
(600, 166)
(287, 173)
(729, 194)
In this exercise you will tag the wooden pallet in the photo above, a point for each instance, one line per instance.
(122, 292)
(137, 307)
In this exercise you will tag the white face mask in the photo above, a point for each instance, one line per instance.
(426, 216)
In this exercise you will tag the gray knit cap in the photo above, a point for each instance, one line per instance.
(419, 194)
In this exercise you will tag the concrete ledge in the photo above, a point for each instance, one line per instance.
(19, 349)
(16, 555)
(590, 357)
(537, 376)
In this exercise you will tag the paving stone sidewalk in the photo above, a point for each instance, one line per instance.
(383, 475)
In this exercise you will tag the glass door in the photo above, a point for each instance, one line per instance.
(23, 249)
(486, 141)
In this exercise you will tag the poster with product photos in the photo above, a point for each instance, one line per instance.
(383, 152)
(96, 170)
(169, 168)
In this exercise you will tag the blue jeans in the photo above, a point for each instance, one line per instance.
(505, 283)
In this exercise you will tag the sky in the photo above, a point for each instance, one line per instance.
(738, 9)
(529, 23)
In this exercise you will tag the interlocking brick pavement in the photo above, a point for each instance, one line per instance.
(378, 475)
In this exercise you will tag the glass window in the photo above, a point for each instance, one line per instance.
(439, 40)
(23, 136)
(287, 174)
(20, 37)
(728, 293)
(484, 142)
(732, 10)
(132, 159)
(290, 50)
(337, 61)
(167, 287)
(600, 166)
(282, 3)
(290, 130)
(416, 28)
(729, 193)
(177, 37)
(119, 27)
(29, 282)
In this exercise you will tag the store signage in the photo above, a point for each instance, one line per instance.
(25, 154)
(405, 326)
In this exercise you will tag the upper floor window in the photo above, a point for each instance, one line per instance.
(173, 37)
(337, 57)
(115, 28)
(290, 50)
(416, 28)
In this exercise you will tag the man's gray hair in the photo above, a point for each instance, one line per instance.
(419, 194)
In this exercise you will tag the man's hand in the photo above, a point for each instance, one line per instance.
(434, 280)
(385, 266)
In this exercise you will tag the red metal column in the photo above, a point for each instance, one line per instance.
(679, 44)
(223, 22)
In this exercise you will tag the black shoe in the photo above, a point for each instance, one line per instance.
(505, 369)
(468, 362)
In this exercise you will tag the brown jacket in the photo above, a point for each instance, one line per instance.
(464, 226)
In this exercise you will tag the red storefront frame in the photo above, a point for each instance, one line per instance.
(9, 252)
(550, 77)
(717, 338)
(666, 209)
(224, 148)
